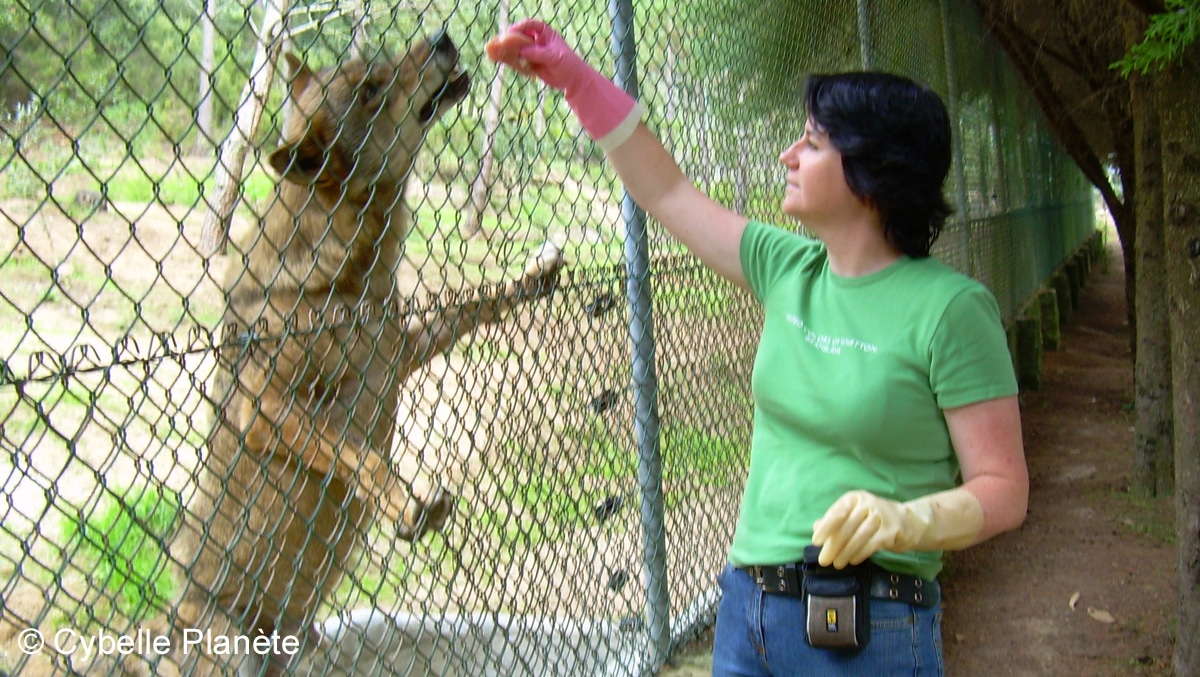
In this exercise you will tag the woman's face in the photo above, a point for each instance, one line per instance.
(816, 191)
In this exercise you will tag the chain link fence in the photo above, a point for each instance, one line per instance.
(273, 421)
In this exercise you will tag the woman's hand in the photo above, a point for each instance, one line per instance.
(605, 111)
(532, 48)
(506, 49)
(860, 524)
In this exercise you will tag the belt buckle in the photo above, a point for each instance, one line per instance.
(779, 578)
(756, 572)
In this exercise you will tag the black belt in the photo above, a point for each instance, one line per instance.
(788, 579)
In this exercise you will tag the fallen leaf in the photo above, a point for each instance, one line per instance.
(1101, 615)
(1074, 601)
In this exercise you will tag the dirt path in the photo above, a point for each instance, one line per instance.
(1008, 602)
(1008, 608)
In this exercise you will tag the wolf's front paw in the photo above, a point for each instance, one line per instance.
(541, 273)
(424, 516)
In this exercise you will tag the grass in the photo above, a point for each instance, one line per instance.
(41, 159)
(702, 458)
(65, 402)
(368, 585)
(158, 306)
(380, 582)
(172, 434)
(19, 268)
(483, 350)
(711, 300)
(29, 159)
(521, 219)
(25, 415)
(170, 312)
(516, 228)
(121, 540)
(1152, 518)
(538, 504)
(181, 188)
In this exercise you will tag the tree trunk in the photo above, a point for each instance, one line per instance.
(1153, 452)
(204, 108)
(481, 187)
(232, 159)
(1178, 92)
(358, 37)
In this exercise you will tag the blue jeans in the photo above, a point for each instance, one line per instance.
(762, 635)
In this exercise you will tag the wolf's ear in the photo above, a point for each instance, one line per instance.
(298, 74)
(300, 162)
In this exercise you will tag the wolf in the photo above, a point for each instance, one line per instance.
(319, 345)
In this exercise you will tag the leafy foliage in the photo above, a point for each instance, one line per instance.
(1170, 33)
(123, 537)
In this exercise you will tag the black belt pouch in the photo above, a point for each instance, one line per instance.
(837, 604)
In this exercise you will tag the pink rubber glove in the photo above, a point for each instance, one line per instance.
(605, 111)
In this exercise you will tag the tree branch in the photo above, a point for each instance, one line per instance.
(1025, 60)
(1148, 6)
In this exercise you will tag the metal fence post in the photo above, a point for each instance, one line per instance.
(645, 380)
(961, 215)
(864, 35)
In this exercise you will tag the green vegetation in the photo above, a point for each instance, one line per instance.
(1170, 34)
(1149, 517)
(709, 299)
(533, 507)
(25, 414)
(170, 433)
(179, 188)
(29, 162)
(517, 228)
(540, 501)
(81, 290)
(24, 268)
(120, 538)
(372, 582)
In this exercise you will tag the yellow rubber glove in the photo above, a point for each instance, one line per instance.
(860, 524)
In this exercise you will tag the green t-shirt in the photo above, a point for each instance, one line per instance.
(850, 381)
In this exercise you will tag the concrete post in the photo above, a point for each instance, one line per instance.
(1047, 300)
(1029, 348)
(1062, 289)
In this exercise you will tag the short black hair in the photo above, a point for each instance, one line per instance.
(894, 138)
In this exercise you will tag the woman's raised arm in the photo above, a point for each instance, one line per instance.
(611, 117)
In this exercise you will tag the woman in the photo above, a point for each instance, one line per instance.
(881, 374)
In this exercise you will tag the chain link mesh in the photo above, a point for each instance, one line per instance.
(558, 447)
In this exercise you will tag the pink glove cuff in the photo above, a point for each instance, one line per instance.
(611, 119)
(621, 133)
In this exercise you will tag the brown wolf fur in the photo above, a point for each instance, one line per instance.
(298, 462)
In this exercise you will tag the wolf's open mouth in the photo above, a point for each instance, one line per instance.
(453, 91)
